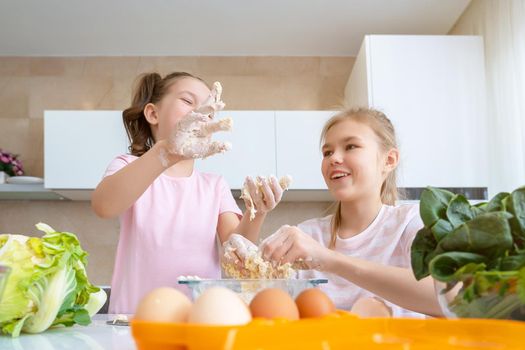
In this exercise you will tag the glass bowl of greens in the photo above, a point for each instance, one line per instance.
(475, 253)
(4, 274)
(468, 300)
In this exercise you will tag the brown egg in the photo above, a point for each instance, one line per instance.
(274, 303)
(164, 305)
(313, 302)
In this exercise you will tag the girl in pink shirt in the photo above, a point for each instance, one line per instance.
(170, 214)
(364, 248)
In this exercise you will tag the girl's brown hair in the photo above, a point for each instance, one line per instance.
(151, 88)
(383, 128)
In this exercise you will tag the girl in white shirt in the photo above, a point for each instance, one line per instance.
(364, 247)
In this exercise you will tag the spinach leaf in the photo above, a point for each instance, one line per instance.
(441, 228)
(521, 285)
(452, 266)
(460, 211)
(422, 246)
(516, 206)
(512, 262)
(487, 234)
(433, 205)
(497, 202)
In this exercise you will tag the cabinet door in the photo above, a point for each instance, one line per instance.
(298, 148)
(79, 145)
(253, 151)
(432, 89)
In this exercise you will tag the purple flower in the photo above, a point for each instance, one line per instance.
(10, 164)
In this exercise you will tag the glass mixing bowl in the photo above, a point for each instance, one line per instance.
(248, 288)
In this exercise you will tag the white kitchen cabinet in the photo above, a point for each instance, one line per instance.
(433, 90)
(298, 148)
(253, 151)
(78, 146)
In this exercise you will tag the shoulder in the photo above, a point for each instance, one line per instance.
(316, 224)
(402, 212)
(119, 162)
(212, 180)
(210, 177)
(407, 219)
(126, 158)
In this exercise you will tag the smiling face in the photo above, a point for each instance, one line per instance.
(183, 96)
(354, 165)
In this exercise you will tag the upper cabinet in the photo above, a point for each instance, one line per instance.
(433, 90)
(299, 152)
(253, 151)
(78, 147)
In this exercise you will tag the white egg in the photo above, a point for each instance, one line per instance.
(219, 306)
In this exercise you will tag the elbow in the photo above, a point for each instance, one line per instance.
(101, 208)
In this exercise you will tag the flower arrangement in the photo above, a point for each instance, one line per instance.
(10, 164)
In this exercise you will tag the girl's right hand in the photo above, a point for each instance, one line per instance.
(291, 245)
(192, 135)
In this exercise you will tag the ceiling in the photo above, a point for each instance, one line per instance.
(212, 27)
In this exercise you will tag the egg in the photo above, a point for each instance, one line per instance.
(274, 303)
(164, 305)
(313, 302)
(219, 306)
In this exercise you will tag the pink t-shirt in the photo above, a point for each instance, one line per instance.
(168, 232)
(386, 241)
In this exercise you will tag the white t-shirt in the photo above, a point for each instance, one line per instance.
(386, 241)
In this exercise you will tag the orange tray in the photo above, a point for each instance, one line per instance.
(337, 331)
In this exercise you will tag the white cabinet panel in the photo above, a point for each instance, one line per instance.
(79, 145)
(433, 90)
(253, 151)
(298, 149)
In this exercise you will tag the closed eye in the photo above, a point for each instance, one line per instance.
(187, 101)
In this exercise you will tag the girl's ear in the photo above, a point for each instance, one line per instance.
(150, 112)
(392, 159)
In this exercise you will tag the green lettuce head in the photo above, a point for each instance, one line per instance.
(48, 285)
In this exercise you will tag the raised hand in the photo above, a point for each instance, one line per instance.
(263, 194)
(192, 136)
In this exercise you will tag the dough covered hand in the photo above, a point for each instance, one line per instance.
(289, 245)
(242, 259)
(192, 136)
(263, 194)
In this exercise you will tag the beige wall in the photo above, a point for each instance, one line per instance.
(28, 86)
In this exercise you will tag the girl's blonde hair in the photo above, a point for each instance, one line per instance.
(151, 88)
(383, 128)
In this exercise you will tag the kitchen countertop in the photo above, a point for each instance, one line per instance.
(98, 335)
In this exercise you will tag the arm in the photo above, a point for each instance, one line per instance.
(117, 192)
(229, 223)
(395, 284)
(190, 139)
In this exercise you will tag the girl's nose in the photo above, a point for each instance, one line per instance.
(336, 158)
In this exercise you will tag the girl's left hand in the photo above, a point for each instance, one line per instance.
(291, 245)
(262, 195)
